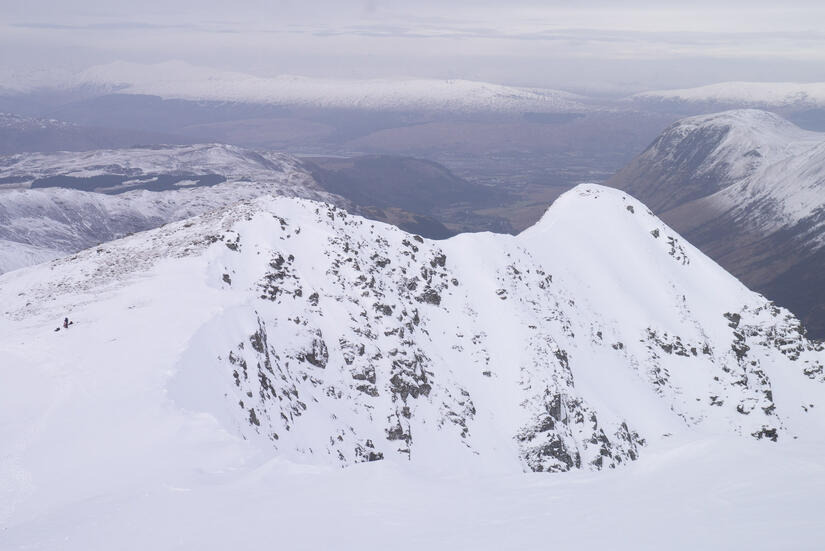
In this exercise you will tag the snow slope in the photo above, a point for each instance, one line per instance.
(15, 255)
(180, 80)
(746, 94)
(699, 494)
(43, 223)
(219, 369)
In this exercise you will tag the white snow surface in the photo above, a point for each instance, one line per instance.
(15, 255)
(44, 223)
(221, 370)
(746, 94)
(180, 80)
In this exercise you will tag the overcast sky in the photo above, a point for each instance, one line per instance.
(592, 45)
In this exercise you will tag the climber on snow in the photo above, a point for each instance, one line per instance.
(66, 324)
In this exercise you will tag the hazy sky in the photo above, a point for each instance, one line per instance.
(603, 45)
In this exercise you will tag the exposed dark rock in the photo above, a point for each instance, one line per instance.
(253, 418)
(734, 319)
(430, 296)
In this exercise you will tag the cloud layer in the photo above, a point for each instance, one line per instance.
(624, 46)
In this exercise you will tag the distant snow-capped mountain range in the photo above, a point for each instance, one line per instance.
(747, 187)
(745, 94)
(180, 80)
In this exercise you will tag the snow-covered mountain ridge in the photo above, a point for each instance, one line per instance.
(142, 162)
(47, 208)
(330, 339)
(180, 80)
(739, 149)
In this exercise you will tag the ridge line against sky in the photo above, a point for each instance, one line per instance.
(584, 46)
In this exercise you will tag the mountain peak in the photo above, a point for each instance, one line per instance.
(750, 125)
(568, 346)
(308, 338)
(707, 153)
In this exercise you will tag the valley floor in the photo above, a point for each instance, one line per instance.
(691, 494)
